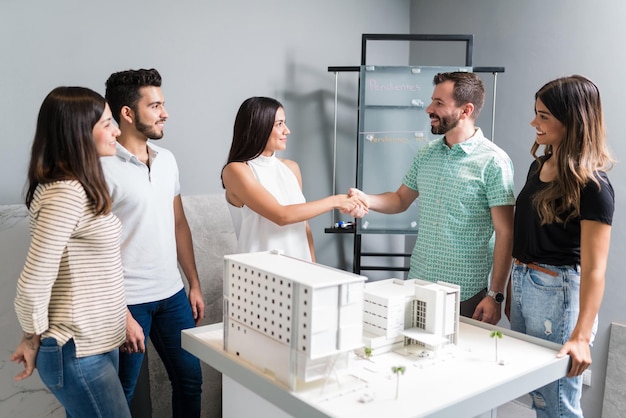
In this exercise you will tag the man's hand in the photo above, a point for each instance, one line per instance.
(488, 311)
(197, 304)
(135, 338)
(359, 210)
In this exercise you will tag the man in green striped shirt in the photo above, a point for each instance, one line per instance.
(465, 186)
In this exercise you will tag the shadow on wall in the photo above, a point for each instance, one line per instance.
(310, 116)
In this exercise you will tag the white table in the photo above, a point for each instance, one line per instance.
(459, 381)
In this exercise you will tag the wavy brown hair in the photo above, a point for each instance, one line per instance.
(64, 148)
(575, 102)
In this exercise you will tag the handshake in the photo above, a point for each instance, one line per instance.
(356, 203)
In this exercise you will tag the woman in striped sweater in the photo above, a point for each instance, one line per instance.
(70, 298)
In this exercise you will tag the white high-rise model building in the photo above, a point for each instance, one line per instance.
(292, 319)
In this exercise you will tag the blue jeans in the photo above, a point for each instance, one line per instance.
(163, 321)
(86, 386)
(546, 306)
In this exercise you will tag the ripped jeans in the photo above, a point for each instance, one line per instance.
(546, 306)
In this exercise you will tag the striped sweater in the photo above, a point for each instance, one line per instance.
(72, 284)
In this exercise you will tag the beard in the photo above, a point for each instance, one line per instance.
(148, 130)
(445, 124)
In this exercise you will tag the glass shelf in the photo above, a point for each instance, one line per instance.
(393, 127)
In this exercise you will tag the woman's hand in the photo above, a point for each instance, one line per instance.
(580, 355)
(26, 353)
(361, 203)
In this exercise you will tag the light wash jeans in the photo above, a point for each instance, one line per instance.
(546, 306)
(163, 321)
(86, 386)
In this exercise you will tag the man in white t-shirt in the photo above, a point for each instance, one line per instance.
(144, 186)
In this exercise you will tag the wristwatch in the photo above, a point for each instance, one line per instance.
(497, 296)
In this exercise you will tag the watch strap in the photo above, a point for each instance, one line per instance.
(497, 296)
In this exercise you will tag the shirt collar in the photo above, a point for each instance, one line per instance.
(127, 156)
(469, 144)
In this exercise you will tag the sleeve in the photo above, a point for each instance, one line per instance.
(598, 203)
(410, 178)
(177, 179)
(500, 187)
(55, 213)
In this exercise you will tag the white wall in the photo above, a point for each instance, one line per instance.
(537, 41)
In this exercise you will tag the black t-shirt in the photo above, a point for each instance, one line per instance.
(557, 244)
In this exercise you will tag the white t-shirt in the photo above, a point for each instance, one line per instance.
(143, 199)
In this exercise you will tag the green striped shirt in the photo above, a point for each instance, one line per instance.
(457, 188)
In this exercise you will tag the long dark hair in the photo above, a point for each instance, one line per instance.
(575, 102)
(64, 149)
(253, 125)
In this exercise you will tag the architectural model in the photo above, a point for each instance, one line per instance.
(397, 313)
(295, 320)
(291, 330)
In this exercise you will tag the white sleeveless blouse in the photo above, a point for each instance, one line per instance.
(256, 233)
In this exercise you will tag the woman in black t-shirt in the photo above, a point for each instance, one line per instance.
(562, 232)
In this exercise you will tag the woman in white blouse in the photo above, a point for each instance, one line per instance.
(264, 193)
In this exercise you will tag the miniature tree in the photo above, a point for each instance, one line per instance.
(368, 352)
(497, 335)
(365, 353)
(398, 370)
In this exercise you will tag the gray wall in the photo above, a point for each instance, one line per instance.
(538, 40)
(212, 55)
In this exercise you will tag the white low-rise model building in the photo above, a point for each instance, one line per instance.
(403, 312)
